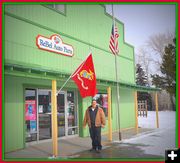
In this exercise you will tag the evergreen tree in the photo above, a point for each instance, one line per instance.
(141, 79)
(168, 68)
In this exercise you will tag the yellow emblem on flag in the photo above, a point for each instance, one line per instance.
(88, 75)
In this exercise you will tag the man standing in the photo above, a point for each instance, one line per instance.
(95, 119)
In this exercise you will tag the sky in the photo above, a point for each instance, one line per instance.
(142, 21)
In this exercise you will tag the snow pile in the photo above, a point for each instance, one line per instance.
(167, 119)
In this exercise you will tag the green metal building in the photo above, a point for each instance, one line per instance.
(29, 70)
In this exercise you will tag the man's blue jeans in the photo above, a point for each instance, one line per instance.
(95, 133)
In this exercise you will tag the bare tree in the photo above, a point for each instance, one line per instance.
(156, 44)
(150, 57)
(144, 59)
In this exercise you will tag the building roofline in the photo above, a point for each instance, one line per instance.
(37, 72)
(120, 22)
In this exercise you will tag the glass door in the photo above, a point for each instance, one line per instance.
(72, 122)
(61, 113)
(44, 113)
(44, 105)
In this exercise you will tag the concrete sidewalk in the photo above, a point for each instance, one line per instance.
(69, 147)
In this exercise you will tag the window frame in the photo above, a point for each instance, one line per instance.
(55, 9)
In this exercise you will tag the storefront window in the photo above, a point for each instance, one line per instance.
(60, 8)
(30, 115)
(102, 101)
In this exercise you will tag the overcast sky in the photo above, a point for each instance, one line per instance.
(142, 21)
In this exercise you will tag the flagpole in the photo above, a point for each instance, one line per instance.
(63, 85)
(117, 85)
(72, 75)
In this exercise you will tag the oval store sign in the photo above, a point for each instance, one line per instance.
(54, 44)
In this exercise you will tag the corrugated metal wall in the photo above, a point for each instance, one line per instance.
(87, 23)
(14, 116)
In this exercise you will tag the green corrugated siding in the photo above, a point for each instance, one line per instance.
(84, 22)
(14, 117)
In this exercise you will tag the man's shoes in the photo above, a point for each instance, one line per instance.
(92, 149)
(98, 151)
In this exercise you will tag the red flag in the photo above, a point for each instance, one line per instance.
(113, 43)
(85, 78)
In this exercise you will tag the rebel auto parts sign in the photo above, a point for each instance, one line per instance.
(54, 44)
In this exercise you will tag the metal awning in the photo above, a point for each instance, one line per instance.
(38, 72)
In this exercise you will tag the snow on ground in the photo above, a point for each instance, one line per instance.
(167, 119)
(157, 141)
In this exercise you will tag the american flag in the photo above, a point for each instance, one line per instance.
(113, 44)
